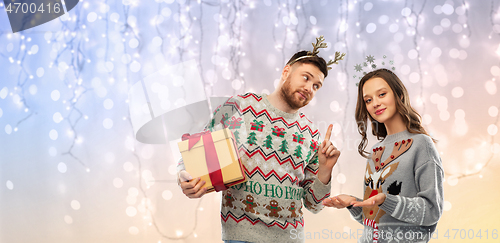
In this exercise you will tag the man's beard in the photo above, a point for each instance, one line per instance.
(289, 96)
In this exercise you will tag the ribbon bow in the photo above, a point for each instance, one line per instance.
(214, 170)
(193, 139)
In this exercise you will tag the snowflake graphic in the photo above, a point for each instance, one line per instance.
(280, 171)
(370, 59)
(413, 205)
(266, 166)
(411, 219)
(250, 163)
(370, 62)
(358, 68)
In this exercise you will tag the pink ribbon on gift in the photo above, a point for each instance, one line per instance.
(214, 170)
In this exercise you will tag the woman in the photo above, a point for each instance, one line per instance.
(403, 192)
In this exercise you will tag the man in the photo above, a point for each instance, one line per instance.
(286, 165)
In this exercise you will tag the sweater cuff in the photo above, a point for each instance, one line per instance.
(390, 204)
(180, 165)
(321, 190)
(355, 211)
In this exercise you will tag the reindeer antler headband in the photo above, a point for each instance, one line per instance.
(314, 53)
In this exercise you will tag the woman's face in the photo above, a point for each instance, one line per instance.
(379, 100)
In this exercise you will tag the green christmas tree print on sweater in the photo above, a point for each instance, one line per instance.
(252, 140)
(284, 147)
(298, 152)
(268, 143)
(308, 155)
(237, 136)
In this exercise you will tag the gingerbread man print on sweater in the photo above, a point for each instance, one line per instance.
(274, 209)
(250, 204)
(229, 199)
(375, 180)
(292, 209)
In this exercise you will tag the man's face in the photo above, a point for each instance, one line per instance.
(302, 81)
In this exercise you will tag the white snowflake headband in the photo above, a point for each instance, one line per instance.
(370, 64)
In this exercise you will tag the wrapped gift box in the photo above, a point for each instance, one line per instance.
(213, 156)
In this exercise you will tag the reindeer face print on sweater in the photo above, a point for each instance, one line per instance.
(373, 182)
(383, 170)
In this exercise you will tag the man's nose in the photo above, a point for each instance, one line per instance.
(309, 86)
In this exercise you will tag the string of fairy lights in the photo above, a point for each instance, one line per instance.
(292, 28)
(480, 167)
(453, 178)
(74, 83)
(413, 19)
(342, 38)
(294, 18)
(185, 26)
(23, 77)
(130, 30)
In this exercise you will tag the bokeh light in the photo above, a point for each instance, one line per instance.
(69, 144)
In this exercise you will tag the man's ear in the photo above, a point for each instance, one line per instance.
(286, 71)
